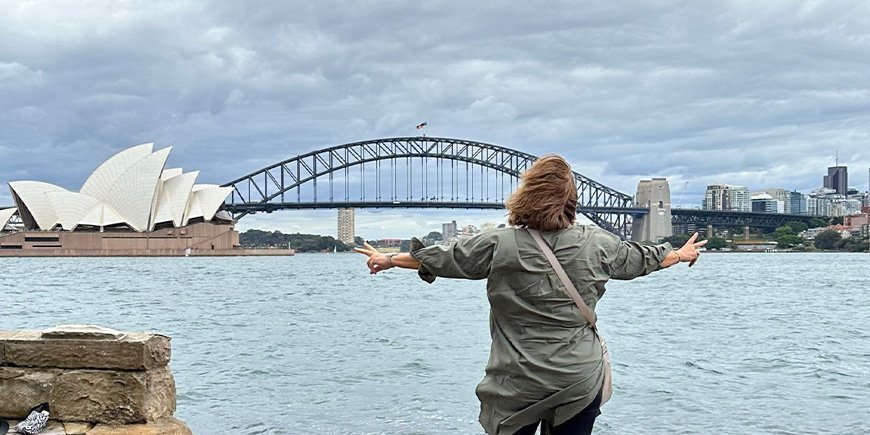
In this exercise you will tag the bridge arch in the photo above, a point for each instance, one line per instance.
(268, 189)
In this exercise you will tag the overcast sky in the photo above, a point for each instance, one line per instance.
(744, 92)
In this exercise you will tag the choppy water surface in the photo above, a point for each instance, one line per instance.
(742, 343)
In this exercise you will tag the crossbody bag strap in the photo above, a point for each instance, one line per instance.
(569, 286)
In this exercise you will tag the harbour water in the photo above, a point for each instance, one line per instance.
(741, 343)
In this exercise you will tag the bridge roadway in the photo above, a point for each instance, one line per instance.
(678, 215)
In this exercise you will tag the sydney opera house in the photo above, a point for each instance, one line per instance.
(130, 205)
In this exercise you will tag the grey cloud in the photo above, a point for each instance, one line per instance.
(696, 91)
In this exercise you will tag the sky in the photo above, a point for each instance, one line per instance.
(763, 94)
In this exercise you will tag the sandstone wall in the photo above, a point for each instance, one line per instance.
(96, 380)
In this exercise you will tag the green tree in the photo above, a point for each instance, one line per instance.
(816, 223)
(837, 220)
(788, 241)
(798, 227)
(715, 243)
(828, 239)
(434, 236)
(357, 240)
(677, 240)
(783, 231)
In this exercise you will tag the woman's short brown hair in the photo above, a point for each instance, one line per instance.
(547, 197)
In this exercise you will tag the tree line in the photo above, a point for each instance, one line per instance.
(787, 237)
(300, 242)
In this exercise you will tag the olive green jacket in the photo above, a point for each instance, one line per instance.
(545, 362)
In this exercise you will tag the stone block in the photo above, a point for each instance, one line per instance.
(163, 426)
(5, 335)
(134, 351)
(21, 389)
(76, 427)
(113, 397)
(103, 396)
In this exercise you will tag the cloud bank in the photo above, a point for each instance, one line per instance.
(759, 94)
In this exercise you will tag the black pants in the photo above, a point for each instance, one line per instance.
(580, 424)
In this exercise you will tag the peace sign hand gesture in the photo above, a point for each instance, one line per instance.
(377, 261)
(689, 252)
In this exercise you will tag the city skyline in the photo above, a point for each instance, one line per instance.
(744, 93)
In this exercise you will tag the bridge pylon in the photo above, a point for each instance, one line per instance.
(654, 195)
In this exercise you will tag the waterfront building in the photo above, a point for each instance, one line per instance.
(727, 197)
(739, 198)
(131, 190)
(389, 243)
(715, 197)
(449, 230)
(765, 203)
(130, 205)
(797, 203)
(826, 202)
(837, 179)
(793, 202)
(849, 206)
(346, 225)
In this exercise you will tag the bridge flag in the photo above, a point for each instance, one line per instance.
(421, 125)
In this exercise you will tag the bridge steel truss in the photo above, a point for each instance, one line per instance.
(718, 218)
(293, 183)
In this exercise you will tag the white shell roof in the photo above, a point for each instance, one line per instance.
(131, 188)
(211, 199)
(108, 174)
(71, 207)
(102, 216)
(5, 215)
(174, 196)
(205, 200)
(169, 173)
(134, 197)
(32, 194)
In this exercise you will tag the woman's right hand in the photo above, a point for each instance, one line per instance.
(377, 262)
(689, 252)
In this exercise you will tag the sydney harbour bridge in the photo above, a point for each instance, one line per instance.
(436, 172)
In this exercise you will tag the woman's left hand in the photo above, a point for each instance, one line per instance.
(377, 261)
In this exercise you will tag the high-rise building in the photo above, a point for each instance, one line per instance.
(767, 203)
(346, 225)
(794, 202)
(727, 198)
(837, 179)
(738, 197)
(715, 198)
(448, 230)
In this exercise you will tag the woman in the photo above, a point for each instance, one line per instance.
(545, 364)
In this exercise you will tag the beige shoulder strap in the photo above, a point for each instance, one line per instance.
(569, 286)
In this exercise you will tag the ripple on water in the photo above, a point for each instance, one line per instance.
(323, 347)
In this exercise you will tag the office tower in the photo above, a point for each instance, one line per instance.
(346, 226)
(448, 230)
(837, 179)
(727, 198)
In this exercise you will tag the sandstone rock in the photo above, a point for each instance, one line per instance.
(163, 426)
(103, 396)
(77, 428)
(53, 428)
(134, 351)
(22, 389)
(113, 397)
(86, 332)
